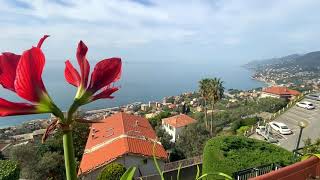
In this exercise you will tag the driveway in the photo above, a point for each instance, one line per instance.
(292, 117)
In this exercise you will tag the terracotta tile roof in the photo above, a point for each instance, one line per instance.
(178, 120)
(118, 135)
(281, 91)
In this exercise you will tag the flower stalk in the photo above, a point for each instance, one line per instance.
(70, 163)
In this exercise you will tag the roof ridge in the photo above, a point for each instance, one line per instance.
(104, 143)
(122, 123)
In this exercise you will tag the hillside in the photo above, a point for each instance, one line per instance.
(305, 62)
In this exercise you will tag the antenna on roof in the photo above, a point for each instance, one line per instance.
(137, 123)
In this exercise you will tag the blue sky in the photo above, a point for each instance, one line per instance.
(227, 31)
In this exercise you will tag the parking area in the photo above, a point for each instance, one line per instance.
(291, 118)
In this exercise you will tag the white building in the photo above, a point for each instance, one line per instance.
(174, 125)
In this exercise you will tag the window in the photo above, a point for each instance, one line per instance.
(170, 127)
(145, 161)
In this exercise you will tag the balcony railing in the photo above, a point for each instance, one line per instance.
(254, 172)
(307, 169)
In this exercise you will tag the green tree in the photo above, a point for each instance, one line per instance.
(192, 139)
(216, 91)
(270, 104)
(9, 170)
(112, 171)
(204, 93)
(49, 165)
(156, 121)
(164, 138)
(27, 158)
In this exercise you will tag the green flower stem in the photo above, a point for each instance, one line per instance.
(69, 159)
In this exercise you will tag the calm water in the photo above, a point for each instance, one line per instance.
(140, 82)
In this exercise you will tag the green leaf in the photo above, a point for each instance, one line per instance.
(156, 162)
(178, 174)
(306, 156)
(198, 172)
(216, 174)
(128, 175)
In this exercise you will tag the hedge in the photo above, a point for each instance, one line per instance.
(112, 171)
(9, 170)
(229, 154)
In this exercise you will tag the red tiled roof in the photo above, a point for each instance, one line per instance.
(118, 135)
(179, 120)
(281, 91)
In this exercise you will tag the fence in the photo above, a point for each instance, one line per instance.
(184, 163)
(307, 169)
(254, 172)
(188, 170)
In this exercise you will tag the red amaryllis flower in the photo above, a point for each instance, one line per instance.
(105, 73)
(22, 75)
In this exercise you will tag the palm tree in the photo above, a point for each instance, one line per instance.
(204, 93)
(216, 91)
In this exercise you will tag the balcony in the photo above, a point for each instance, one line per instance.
(307, 169)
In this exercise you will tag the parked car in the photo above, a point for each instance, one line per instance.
(306, 105)
(280, 127)
(260, 129)
(313, 97)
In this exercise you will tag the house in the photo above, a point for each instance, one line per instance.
(122, 138)
(174, 125)
(279, 92)
(144, 107)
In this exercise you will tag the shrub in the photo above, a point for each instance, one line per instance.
(235, 125)
(112, 171)
(242, 130)
(249, 121)
(9, 170)
(271, 105)
(229, 154)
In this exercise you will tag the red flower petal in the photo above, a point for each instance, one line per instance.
(83, 63)
(105, 72)
(71, 74)
(28, 83)
(41, 41)
(8, 108)
(106, 93)
(8, 66)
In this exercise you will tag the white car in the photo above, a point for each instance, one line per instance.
(306, 105)
(260, 129)
(280, 127)
(313, 97)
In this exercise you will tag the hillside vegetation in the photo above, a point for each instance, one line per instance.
(229, 154)
(307, 62)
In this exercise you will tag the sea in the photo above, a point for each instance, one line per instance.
(140, 82)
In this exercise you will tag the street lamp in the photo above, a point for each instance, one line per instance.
(302, 125)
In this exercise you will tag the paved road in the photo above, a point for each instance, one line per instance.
(292, 117)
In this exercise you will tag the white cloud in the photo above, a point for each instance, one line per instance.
(127, 24)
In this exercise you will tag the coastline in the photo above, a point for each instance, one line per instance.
(133, 90)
